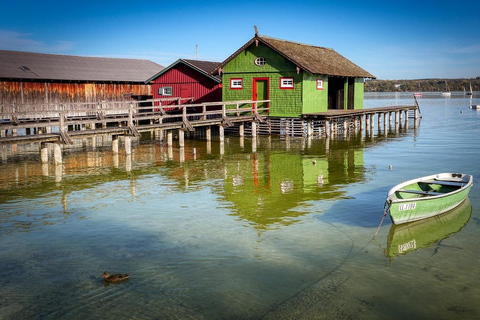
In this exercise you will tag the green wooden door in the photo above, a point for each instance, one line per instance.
(260, 91)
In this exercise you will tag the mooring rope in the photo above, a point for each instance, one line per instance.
(386, 208)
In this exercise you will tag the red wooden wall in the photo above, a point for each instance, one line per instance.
(187, 82)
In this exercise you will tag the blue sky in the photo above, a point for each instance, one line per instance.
(390, 39)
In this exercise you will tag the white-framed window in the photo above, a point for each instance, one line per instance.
(319, 84)
(260, 61)
(286, 83)
(165, 91)
(236, 83)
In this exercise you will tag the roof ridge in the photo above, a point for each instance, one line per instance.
(74, 55)
(295, 42)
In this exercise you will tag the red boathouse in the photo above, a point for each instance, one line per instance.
(188, 79)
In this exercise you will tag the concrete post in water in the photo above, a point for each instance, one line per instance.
(372, 124)
(169, 138)
(44, 152)
(181, 154)
(57, 153)
(115, 144)
(128, 145)
(396, 117)
(327, 128)
(401, 116)
(390, 120)
(208, 133)
(221, 133)
(385, 123)
(181, 138)
(309, 128)
(254, 129)
(362, 123)
(241, 129)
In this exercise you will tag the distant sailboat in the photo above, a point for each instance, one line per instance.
(470, 93)
(447, 92)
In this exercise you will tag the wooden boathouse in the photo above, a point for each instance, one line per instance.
(29, 78)
(188, 79)
(297, 78)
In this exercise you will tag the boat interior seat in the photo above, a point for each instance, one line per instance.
(445, 183)
(428, 193)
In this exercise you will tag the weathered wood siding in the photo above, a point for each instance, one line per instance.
(51, 92)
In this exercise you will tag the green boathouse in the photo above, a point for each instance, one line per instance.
(297, 78)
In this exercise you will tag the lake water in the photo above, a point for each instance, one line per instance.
(283, 230)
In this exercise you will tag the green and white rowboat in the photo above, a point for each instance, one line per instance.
(427, 196)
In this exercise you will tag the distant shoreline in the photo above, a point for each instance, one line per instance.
(422, 85)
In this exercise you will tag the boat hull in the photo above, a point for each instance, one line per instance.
(409, 237)
(408, 202)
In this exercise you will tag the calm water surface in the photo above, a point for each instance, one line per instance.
(269, 229)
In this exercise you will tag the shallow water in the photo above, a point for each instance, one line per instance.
(224, 232)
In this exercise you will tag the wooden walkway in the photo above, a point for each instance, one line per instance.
(335, 114)
(62, 123)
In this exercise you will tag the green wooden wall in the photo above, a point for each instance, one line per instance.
(304, 98)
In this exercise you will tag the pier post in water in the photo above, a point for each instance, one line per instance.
(181, 138)
(309, 128)
(254, 129)
(44, 152)
(241, 129)
(115, 144)
(208, 133)
(128, 145)
(57, 153)
(221, 133)
(169, 138)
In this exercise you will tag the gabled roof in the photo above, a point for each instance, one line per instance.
(39, 66)
(204, 67)
(313, 59)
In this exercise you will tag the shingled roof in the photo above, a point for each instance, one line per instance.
(204, 67)
(313, 59)
(17, 65)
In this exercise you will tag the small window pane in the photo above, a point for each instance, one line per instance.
(319, 84)
(166, 91)
(286, 83)
(236, 83)
(260, 61)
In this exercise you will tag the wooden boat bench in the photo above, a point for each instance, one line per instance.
(427, 193)
(445, 183)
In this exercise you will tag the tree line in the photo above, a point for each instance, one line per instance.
(421, 85)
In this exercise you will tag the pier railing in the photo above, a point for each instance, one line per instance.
(66, 121)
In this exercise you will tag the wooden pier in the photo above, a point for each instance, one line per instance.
(334, 121)
(59, 124)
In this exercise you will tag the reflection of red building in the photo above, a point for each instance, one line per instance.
(188, 79)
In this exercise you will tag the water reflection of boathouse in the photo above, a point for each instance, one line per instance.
(269, 188)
